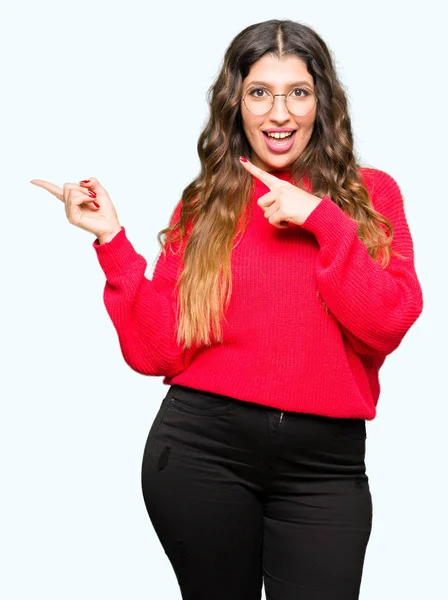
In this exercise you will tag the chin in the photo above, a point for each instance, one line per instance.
(279, 163)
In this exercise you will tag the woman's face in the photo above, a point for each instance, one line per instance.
(279, 77)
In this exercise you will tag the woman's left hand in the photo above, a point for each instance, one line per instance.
(285, 203)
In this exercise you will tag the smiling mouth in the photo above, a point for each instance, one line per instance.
(280, 144)
(278, 135)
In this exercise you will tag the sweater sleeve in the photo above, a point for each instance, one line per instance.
(375, 307)
(142, 310)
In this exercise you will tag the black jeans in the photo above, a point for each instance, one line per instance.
(240, 494)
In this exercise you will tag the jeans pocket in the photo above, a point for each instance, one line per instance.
(352, 430)
(158, 420)
(198, 402)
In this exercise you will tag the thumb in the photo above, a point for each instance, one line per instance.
(93, 184)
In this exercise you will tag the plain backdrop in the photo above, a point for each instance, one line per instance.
(92, 89)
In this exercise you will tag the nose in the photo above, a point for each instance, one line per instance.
(279, 111)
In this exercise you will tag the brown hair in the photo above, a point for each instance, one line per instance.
(214, 203)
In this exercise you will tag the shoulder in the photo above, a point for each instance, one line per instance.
(383, 189)
(377, 179)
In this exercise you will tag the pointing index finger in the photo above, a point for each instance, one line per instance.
(267, 178)
(50, 187)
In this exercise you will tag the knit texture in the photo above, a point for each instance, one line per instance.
(281, 347)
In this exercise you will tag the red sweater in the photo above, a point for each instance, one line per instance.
(281, 348)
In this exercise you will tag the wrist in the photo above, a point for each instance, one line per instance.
(103, 239)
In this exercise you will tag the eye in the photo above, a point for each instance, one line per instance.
(254, 93)
(306, 92)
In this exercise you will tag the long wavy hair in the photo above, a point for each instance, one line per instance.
(213, 205)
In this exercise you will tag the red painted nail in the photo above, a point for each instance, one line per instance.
(96, 204)
(92, 194)
(242, 159)
(85, 181)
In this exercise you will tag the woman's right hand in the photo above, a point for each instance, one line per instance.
(80, 209)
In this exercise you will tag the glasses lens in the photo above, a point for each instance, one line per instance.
(299, 102)
(258, 101)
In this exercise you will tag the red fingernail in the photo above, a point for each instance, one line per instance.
(96, 204)
(92, 194)
(242, 159)
(85, 181)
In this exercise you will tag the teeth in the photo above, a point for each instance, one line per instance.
(281, 135)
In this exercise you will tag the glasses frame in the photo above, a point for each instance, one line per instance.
(286, 103)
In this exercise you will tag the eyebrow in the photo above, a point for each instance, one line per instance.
(289, 85)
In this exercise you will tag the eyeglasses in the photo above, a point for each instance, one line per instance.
(299, 104)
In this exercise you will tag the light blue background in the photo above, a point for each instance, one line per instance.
(86, 91)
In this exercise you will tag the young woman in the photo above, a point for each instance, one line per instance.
(286, 278)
